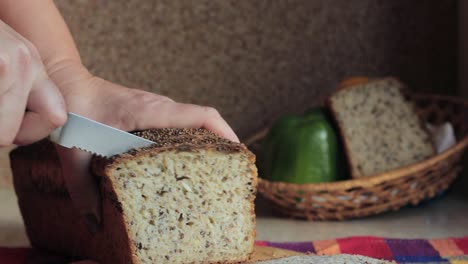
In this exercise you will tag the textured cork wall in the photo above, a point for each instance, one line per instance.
(257, 59)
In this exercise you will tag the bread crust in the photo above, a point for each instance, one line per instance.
(39, 184)
(52, 223)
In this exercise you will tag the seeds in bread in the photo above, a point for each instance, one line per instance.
(380, 128)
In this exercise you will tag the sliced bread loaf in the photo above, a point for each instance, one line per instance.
(186, 199)
(380, 128)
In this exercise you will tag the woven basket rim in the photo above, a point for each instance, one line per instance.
(365, 182)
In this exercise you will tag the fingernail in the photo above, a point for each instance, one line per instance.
(92, 222)
(234, 137)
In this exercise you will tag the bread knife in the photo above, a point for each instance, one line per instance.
(94, 137)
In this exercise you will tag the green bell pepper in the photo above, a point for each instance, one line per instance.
(302, 149)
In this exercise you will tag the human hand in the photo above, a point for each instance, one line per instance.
(124, 108)
(130, 109)
(25, 86)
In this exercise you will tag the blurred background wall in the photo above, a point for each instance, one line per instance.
(255, 60)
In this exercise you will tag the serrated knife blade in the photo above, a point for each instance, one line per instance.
(91, 136)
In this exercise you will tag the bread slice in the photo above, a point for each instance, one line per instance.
(186, 199)
(264, 253)
(380, 127)
(334, 259)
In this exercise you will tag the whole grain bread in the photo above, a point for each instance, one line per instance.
(380, 127)
(186, 199)
(334, 259)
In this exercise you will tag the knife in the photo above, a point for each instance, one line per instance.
(94, 137)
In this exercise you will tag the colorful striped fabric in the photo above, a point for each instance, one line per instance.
(434, 251)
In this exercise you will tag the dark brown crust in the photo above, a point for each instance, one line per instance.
(187, 140)
(179, 139)
(45, 178)
(52, 222)
(403, 89)
(39, 183)
(171, 136)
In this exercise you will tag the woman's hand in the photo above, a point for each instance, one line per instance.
(130, 109)
(25, 86)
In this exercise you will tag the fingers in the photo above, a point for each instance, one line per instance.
(210, 119)
(177, 115)
(131, 109)
(46, 111)
(15, 78)
(12, 105)
(13, 95)
(25, 85)
(81, 185)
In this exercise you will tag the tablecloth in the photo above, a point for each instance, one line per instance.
(444, 250)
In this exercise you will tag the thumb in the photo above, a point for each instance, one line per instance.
(45, 111)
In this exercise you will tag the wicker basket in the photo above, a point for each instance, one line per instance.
(383, 192)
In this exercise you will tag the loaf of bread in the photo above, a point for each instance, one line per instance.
(186, 199)
(380, 127)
